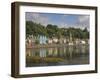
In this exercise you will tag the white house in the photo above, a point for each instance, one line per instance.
(50, 41)
(70, 43)
(64, 40)
(83, 42)
(55, 40)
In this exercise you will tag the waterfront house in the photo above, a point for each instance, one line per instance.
(87, 41)
(55, 40)
(42, 39)
(62, 40)
(50, 41)
(29, 43)
(70, 43)
(83, 42)
(77, 41)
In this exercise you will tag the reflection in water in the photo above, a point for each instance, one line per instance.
(70, 55)
(42, 53)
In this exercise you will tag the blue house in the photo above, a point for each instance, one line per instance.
(42, 39)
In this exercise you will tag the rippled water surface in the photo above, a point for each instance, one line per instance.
(70, 55)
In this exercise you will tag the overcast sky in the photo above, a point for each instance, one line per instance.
(61, 20)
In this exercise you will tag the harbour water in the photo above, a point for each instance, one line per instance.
(57, 56)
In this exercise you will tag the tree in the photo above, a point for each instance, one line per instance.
(51, 31)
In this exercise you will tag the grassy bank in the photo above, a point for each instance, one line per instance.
(36, 59)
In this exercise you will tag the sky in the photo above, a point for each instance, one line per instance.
(61, 20)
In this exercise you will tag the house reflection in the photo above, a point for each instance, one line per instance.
(63, 52)
(42, 52)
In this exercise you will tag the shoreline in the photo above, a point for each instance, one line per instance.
(53, 45)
